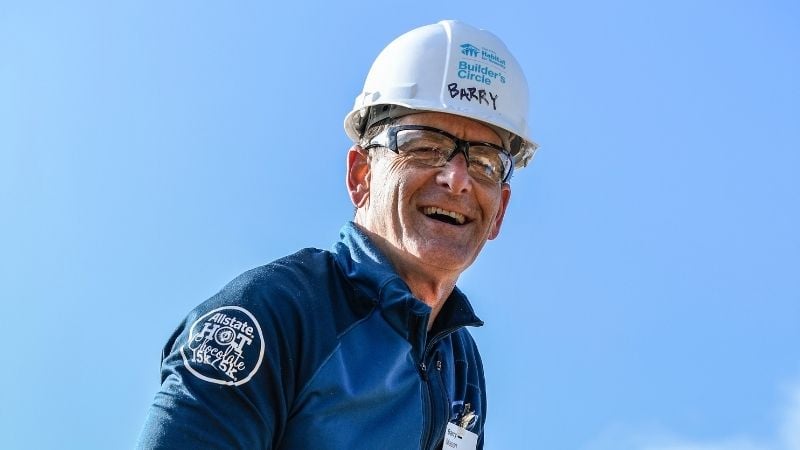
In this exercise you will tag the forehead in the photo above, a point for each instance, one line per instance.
(461, 127)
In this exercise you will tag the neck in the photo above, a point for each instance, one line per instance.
(430, 290)
(431, 285)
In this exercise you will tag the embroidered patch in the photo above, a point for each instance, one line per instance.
(225, 346)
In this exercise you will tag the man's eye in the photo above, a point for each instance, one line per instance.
(484, 170)
(422, 140)
(486, 166)
(421, 146)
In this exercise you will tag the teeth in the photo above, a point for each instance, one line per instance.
(430, 210)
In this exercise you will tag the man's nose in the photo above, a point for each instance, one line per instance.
(455, 174)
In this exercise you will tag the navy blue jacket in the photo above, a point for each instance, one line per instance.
(322, 350)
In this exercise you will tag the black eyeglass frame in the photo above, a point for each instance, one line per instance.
(462, 146)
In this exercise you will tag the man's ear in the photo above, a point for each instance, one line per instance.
(505, 196)
(358, 175)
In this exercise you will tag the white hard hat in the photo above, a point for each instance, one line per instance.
(448, 67)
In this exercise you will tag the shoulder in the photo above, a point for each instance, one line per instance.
(291, 304)
(283, 276)
(465, 347)
(286, 312)
(289, 285)
(287, 293)
(237, 360)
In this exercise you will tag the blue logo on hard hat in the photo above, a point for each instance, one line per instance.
(470, 50)
(484, 53)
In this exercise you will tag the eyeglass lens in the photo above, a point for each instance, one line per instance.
(436, 149)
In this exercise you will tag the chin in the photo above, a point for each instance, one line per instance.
(445, 258)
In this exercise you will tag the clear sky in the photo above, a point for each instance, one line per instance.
(644, 293)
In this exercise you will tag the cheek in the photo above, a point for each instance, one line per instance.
(395, 181)
(492, 203)
(385, 191)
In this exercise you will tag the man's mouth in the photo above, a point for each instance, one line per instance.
(443, 215)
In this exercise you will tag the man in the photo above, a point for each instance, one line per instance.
(364, 346)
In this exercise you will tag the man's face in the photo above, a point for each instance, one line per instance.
(403, 204)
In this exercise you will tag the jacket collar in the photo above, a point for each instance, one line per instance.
(372, 274)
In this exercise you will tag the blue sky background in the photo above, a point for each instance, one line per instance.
(644, 293)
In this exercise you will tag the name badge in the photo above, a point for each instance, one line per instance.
(457, 438)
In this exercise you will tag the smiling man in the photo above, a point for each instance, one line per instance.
(365, 346)
(429, 216)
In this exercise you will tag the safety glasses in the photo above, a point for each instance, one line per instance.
(435, 148)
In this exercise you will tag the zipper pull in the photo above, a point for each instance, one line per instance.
(423, 370)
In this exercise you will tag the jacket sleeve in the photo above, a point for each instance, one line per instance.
(227, 374)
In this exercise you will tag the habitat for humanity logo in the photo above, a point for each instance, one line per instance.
(485, 54)
(470, 50)
(225, 346)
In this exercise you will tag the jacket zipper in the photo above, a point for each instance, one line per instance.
(431, 430)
